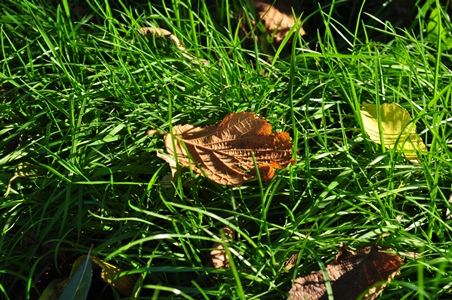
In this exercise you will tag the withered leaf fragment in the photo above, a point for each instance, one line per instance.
(224, 153)
(152, 32)
(124, 284)
(277, 18)
(350, 274)
(290, 262)
(219, 257)
(160, 32)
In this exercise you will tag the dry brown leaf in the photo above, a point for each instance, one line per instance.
(219, 257)
(350, 275)
(277, 18)
(223, 153)
(124, 284)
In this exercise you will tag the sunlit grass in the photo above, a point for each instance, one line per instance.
(80, 89)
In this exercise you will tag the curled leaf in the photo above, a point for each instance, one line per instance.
(224, 153)
(219, 257)
(351, 274)
(397, 130)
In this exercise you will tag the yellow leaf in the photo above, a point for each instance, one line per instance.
(397, 129)
(124, 284)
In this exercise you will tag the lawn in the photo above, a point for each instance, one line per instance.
(85, 98)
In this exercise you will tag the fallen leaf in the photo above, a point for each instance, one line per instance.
(219, 257)
(350, 274)
(124, 284)
(397, 129)
(224, 153)
(277, 18)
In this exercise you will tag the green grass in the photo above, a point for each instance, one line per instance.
(78, 92)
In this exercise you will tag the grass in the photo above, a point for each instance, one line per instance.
(80, 87)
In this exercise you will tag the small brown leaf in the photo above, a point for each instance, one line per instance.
(219, 257)
(224, 153)
(277, 18)
(350, 275)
